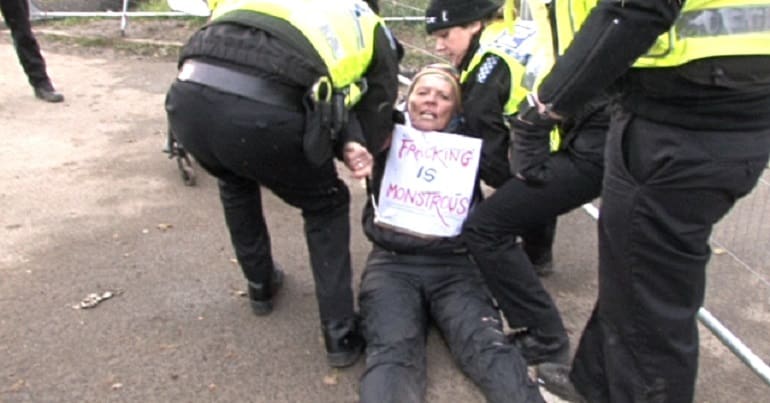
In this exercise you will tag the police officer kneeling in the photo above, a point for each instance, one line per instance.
(268, 93)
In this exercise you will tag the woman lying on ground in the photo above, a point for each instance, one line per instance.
(418, 270)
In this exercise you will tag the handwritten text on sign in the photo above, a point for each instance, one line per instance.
(428, 181)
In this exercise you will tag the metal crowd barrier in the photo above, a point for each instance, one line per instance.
(124, 14)
(36, 13)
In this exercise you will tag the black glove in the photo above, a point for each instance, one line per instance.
(530, 144)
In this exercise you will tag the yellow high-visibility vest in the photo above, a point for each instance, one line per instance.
(342, 33)
(711, 28)
(497, 39)
(567, 17)
(570, 15)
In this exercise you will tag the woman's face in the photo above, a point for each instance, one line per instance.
(431, 103)
(453, 42)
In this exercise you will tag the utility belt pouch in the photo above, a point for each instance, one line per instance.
(317, 142)
(320, 134)
(340, 119)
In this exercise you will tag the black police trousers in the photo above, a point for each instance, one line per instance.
(400, 295)
(515, 208)
(16, 16)
(247, 145)
(664, 189)
(537, 242)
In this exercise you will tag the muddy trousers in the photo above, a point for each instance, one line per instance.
(400, 296)
(16, 16)
(250, 146)
(664, 189)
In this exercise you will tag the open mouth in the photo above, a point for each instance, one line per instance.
(427, 116)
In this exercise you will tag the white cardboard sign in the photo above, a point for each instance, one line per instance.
(428, 182)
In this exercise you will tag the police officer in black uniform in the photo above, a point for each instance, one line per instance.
(261, 103)
(689, 136)
(516, 208)
(485, 90)
(574, 173)
(16, 16)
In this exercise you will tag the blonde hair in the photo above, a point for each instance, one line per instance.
(445, 71)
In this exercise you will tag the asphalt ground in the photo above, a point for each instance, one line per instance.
(90, 204)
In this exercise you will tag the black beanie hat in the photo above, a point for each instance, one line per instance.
(442, 14)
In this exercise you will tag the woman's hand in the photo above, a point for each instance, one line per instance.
(358, 159)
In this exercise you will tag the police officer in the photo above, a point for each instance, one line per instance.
(497, 81)
(457, 26)
(574, 174)
(268, 93)
(689, 136)
(16, 16)
(474, 39)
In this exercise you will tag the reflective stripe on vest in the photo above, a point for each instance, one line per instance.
(342, 34)
(710, 28)
(498, 40)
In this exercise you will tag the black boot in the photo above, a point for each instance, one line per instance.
(343, 341)
(537, 349)
(543, 264)
(47, 93)
(261, 295)
(555, 379)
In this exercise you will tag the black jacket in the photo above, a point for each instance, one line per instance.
(485, 93)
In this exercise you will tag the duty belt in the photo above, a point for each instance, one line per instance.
(245, 85)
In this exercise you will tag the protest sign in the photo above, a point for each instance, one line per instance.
(428, 182)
